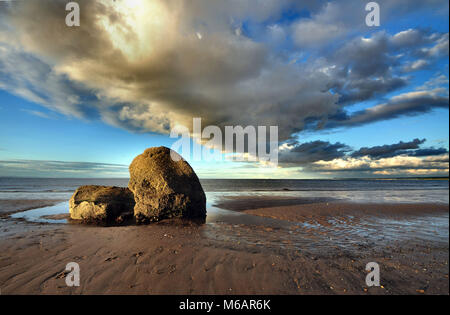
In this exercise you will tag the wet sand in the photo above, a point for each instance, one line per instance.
(308, 247)
(308, 210)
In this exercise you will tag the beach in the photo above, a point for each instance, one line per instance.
(253, 242)
(201, 148)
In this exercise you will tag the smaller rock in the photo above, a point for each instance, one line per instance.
(101, 204)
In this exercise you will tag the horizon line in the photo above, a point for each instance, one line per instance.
(343, 178)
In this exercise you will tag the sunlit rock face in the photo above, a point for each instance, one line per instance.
(164, 188)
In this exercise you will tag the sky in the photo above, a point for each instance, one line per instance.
(349, 100)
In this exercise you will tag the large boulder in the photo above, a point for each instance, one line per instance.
(101, 204)
(165, 188)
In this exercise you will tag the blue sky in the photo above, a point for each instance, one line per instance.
(83, 101)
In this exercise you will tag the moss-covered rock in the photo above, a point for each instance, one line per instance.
(165, 188)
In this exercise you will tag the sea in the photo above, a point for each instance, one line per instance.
(232, 225)
(354, 190)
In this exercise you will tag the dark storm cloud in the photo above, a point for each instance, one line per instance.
(388, 150)
(411, 148)
(309, 152)
(428, 152)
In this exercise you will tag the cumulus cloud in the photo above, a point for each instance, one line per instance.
(367, 164)
(150, 65)
(366, 67)
(440, 48)
(153, 73)
(402, 158)
(416, 65)
(439, 80)
(324, 27)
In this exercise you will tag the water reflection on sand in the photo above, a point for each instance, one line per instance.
(347, 233)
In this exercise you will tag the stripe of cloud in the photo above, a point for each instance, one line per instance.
(388, 150)
(46, 168)
(37, 113)
(429, 152)
(406, 104)
(296, 153)
(366, 165)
